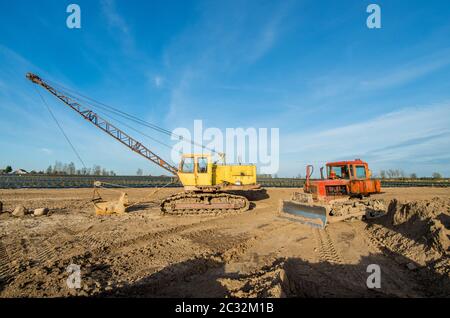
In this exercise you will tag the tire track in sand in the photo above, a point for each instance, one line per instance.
(6, 269)
(352, 274)
(325, 247)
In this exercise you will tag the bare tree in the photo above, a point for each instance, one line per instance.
(96, 170)
(140, 172)
(71, 169)
(57, 167)
(436, 175)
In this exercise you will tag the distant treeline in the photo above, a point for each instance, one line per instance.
(79, 181)
(400, 174)
(60, 168)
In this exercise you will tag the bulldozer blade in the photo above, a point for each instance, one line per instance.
(312, 215)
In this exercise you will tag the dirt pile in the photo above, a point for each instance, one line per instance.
(424, 222)
(267, 282)
(417, 232)
(430, 219)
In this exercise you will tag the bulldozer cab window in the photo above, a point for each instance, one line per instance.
(360, 172)
(188, 165)
(341, 172)
(202, 165)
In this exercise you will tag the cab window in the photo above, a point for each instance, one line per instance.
(188, 165)
(341, 172)
(360, 172)
(202, 165)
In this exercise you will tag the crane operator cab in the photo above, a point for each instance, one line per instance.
(198, 171)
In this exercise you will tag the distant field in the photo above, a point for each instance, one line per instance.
(42, 181)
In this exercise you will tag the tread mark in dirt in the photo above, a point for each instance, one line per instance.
(44, 252)
(232, 254)
(92, 243)
(374, 242)
(4, 260)
(327, 251)
(239, 251)
(6, 271)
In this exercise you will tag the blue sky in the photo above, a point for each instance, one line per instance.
(336, 89)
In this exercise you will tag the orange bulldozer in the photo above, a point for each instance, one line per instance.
(331, 199)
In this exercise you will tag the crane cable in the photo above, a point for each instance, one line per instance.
(95, 104)
(111, 118)
(91, 101)
(60, 127)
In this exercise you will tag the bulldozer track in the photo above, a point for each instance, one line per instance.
(6, 270)
(375, 243)
(4, 261)
(168, 204)
(91, 243)
(352, 275)
(45, 252)
(327, 251)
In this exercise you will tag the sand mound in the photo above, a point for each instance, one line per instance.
(426, 221)
(417, 229)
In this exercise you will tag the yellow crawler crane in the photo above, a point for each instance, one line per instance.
(209, 187)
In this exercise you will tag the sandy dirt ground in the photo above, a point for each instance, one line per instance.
(254, 254)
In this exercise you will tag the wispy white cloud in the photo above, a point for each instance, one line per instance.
(119, 27)
(46, 151)
(267, 36)
(158, 81)
(415, 134)
(345, 83)
(113, 18)
(408, 71)
(227, 39)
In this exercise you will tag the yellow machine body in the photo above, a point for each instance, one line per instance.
(199, 172)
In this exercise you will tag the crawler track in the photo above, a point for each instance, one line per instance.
(187, 203)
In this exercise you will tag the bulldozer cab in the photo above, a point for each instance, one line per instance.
(196, 169)
(348, 170)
